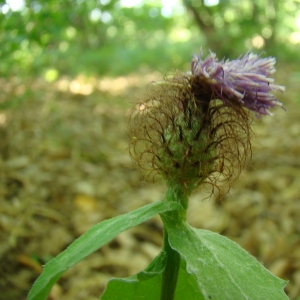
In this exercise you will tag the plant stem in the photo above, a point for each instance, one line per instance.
(170, 274)
(175, 193)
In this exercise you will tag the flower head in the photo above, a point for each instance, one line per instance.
(178, 132)
(195, 128)
(244, 79)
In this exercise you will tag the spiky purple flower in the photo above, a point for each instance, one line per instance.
(245, 79)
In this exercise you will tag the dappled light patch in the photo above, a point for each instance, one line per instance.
(114, 86)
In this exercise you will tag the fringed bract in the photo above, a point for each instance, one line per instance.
(180, 131)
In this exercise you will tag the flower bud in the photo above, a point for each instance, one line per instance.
(180, 133)
(195, 128)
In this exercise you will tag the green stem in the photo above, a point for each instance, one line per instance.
(175, 193)
(170, 274)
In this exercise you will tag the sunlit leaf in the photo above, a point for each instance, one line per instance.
(222, 268)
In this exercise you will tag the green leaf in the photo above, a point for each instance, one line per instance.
(92, 240)
(222, 268)
(137, 286)
(147, 284)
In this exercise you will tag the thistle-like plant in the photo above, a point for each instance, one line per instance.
(193, 129)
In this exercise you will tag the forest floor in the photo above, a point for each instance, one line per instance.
(65, 167)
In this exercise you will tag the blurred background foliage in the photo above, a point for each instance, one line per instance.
(115, 37)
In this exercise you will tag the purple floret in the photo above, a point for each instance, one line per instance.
(245, 79)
